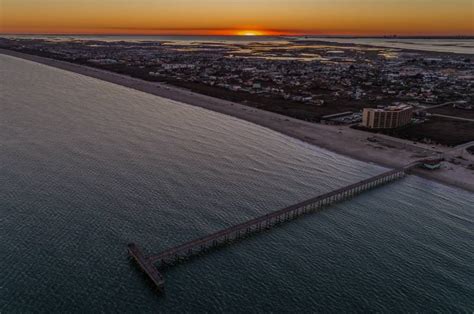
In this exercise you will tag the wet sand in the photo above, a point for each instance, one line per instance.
(385, 151)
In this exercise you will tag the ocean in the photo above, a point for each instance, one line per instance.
(87, 167)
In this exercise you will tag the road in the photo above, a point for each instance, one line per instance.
(445, 104)
(452, 117)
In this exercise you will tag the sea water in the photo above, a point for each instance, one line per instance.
(87, 167)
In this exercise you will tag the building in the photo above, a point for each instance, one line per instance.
(387, 118)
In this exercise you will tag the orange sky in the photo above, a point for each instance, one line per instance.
(225, 17)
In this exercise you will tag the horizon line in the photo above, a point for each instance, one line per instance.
(237, 35)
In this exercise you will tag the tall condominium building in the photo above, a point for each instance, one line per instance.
(387, 118)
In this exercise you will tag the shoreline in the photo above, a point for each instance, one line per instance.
(386, 151)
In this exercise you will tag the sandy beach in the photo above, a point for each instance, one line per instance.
(381, 150)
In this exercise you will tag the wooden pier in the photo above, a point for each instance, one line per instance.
(148, 268)
(150, 264)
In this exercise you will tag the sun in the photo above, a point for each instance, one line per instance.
(250, 33)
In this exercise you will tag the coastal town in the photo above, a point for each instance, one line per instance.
(301, 78)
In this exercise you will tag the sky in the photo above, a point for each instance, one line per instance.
(238, 17)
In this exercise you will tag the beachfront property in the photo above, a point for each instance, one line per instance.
(387, 118)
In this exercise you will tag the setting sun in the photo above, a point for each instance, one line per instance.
(250, 33)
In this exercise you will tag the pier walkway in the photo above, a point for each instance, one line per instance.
(150, 264)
